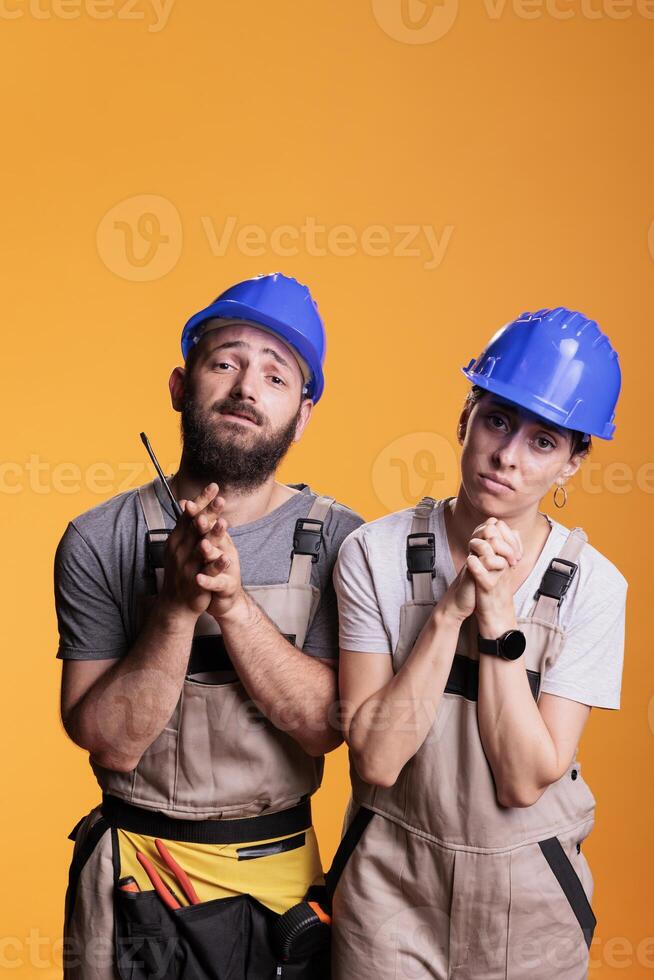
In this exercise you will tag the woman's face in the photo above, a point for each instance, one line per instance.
(511, 457)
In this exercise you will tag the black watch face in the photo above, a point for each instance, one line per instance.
(513, 644)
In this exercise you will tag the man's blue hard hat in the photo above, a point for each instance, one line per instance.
(280, 304)
(557, 364)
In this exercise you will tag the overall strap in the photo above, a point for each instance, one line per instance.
(558, 576)
(157, 533)
(421, 551)
(307, 540)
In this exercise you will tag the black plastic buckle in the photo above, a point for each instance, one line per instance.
(156, 548)
(556, 582)
(420, 557)
(307, 540)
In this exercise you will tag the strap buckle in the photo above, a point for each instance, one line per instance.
(155, 543)
(556, 581)
(307, 540)
(420, 556)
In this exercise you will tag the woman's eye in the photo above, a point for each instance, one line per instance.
(496, 418)
(548, 444)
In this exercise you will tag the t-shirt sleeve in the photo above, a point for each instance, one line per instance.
(589, 667)
(88, 617)
(322, 636)
(361, 628)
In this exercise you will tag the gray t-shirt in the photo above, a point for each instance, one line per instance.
(371, 585)
(101, 570)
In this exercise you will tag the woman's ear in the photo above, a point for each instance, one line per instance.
(571, 466)
(462, 427)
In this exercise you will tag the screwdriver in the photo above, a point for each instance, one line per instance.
(146, 443)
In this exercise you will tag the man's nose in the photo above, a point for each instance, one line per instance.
(245, 385)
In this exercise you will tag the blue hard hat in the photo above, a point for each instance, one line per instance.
(282, 305)
(557, 364)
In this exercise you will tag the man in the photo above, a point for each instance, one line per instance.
(199, 659)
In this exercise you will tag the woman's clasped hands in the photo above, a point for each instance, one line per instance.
(485, 584)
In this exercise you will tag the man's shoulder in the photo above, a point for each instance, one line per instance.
(340, 519)
(106, 520)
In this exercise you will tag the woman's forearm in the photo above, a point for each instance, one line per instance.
(516, 740)
(389, 727)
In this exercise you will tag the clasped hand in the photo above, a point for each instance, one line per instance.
(202, 570)
(485, 586)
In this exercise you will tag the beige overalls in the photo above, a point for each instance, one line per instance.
(444, 882)
(223, 772)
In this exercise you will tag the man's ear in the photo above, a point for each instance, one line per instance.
(303, 420)
(176, 384)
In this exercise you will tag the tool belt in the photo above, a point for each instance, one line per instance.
(222, 939)
(235, 938)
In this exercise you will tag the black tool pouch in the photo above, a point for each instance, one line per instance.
(223, 939)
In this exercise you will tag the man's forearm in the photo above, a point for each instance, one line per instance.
(294, 691)
(128, 706)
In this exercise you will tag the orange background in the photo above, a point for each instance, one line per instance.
(520, 137)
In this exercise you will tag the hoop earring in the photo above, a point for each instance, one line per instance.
(560, 487)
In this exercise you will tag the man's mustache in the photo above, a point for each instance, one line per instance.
(236, 408)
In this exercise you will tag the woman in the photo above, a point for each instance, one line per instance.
(491, 630)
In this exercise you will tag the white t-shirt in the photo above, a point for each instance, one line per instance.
(371, 585)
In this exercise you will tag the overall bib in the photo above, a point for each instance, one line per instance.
(442, 881)
(219, 774)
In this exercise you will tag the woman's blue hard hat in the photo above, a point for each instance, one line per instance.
(557, 364)
(280, 304)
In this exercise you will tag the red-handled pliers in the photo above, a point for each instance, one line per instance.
(162, 890)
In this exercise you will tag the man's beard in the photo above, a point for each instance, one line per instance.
(213, 452)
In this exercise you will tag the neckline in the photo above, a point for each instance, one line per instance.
(304, 488)
(452, 573)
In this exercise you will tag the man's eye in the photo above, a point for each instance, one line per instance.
(496, 418)
(276, 377)
(221, 364)
(548, 443)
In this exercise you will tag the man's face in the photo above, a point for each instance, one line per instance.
(241, 406)
(511, 457)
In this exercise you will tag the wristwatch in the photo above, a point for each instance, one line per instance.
(509, 645)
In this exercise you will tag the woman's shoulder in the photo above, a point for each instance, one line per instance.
(388, 530)
(594, 569)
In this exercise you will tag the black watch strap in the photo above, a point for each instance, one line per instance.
(509, 645)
